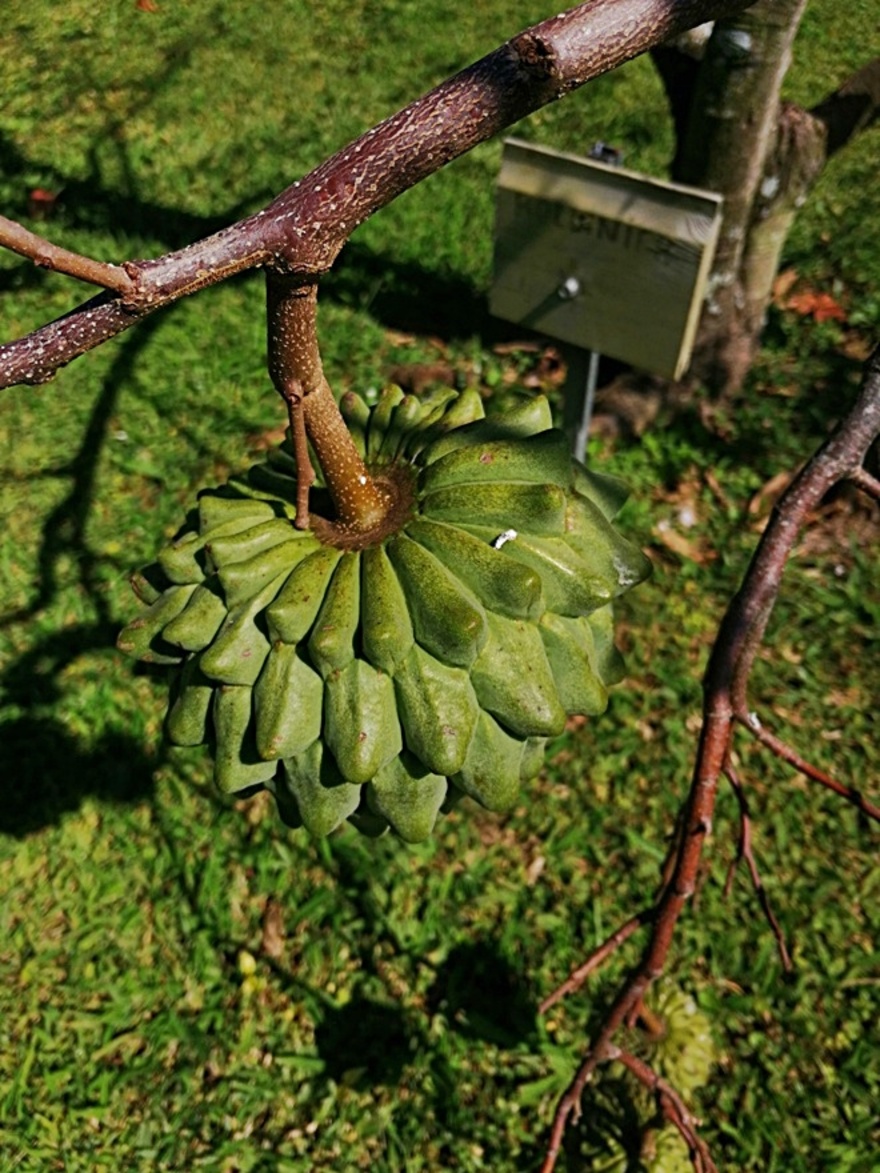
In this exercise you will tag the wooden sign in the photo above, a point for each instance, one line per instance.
(600, 257)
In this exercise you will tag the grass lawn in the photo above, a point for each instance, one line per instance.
(183, 982)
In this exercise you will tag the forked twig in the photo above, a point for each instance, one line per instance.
(671, 1105)
(598, 957)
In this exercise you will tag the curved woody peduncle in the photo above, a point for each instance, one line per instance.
(297, 371)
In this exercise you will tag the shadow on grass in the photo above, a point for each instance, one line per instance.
(45, 769)
(484, 995)
(64, 530)
(365, 1041)
(47, 772)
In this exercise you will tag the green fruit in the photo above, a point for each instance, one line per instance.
(685, 1052)
(380, 678)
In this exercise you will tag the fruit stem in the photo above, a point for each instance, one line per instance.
(298, 374)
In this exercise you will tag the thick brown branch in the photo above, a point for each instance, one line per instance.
(46, 255)
(302, 230)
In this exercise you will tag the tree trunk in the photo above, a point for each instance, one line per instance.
(805, 141)
(730, 133)
(735, 136)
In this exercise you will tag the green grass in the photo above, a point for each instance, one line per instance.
(147, 1018)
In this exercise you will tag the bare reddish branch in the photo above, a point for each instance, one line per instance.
(46, 255)
(597, 958)
(302, 231)
(724, 698)
(784, 751)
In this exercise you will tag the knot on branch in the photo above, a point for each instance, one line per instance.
(535, 57)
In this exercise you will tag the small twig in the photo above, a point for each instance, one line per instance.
(784, 751)
(744, 852)
(672, 1106)
(46, 255)
(305, 473)
(867, 483)
(578, 976)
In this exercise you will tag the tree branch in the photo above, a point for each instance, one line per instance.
(19, 239)
(302, 231)
(724, 697)
(853, 107)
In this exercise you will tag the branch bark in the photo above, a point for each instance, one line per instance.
(301, 232)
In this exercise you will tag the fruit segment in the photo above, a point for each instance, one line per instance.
(513, 679)
(438, 710)
(237, 765)
(331, 644)
(361, 728)
(288, 701)
(448, 621)
(407, 796)
(500, 583)
(491, 771)
(291, 615)
(321, 796)
(531, 509)
(386, 627)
